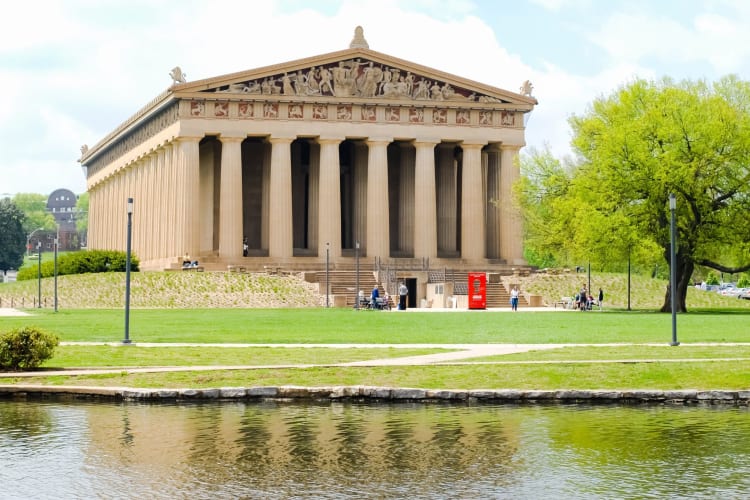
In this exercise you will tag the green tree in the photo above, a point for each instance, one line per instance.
(643, 142)
(12, 235)
(34, 207)
(82, 213)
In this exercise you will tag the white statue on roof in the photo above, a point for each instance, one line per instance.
(177, 75)
(359, 42)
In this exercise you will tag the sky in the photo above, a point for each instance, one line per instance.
(73, 70)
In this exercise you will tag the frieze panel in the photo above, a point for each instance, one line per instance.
(245, 110)
(141, 134)
(320, 112)
(356, 78)
(221, 109)
(344, 112)
(416, 115)
(197, 108)
(368, 113)
(439, 115)
(393, 114)
(463, 117)
(270, 110)
(295, 111)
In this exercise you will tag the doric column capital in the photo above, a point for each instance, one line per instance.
(329, 140)
(473, 145)
(378, 141)
(426, 142)
(281, 139)
(227, 138)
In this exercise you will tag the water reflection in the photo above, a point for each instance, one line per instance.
(341, 450)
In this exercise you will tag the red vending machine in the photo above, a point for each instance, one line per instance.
(477, 291)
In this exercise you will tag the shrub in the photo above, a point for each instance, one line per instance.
(712, 279)
(26, 348)
(85, 261)
(744, 281)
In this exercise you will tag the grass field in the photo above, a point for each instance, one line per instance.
(164, 314)
(316, 325)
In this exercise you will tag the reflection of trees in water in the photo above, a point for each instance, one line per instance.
(351, 433)
(254, 440)
(641, 444)
(19, 420)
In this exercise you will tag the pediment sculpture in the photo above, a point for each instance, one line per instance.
(356, 78)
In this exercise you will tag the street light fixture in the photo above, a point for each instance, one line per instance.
(356, 260)
(126, 340)
(673, 269)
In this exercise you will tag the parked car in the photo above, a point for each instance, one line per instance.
(745, 294)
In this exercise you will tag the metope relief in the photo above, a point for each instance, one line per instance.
(439, 116)
(295, 111)
(393, 114)
(197, 108)
(463, 117)
(368, 113)
(320, 112)
(245, 110)
(357, 78)
(270, 110)
(344, 113)
(416, 115)
(221, 109)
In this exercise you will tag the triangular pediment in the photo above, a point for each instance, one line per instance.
(357, 73)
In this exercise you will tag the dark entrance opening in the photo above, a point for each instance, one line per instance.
(411, 299)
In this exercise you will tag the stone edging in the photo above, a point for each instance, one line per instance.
(366, 393)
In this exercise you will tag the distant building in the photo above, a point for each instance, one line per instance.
(62, 205)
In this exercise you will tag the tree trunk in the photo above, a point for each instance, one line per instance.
(685, 269)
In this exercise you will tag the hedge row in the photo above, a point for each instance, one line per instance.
(85, 261)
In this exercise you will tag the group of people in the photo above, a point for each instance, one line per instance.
(375, 301)
(584, 301)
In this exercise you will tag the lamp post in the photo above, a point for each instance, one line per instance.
(57, 240)
(126, 340)
(672, 270)
(328, 249)
(356, 260)
(39, 272)
(628, 277)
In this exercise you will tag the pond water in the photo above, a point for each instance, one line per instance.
(53, 449)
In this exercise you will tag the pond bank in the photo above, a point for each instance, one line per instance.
(375, 394)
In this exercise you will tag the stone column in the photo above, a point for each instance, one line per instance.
(170, 203)
(425, 201)
(472, 204)
(406, 216)
(360, 195)
(511, 226)
(314, 198)
(493, 202)
(447, 198)
(188, 206)
(230, 198)
(280, 216)
(329, 209)
(378, 241)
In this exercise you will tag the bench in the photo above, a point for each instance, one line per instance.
(565, 302)
(198, 269)
(236, 269)
(272, 269)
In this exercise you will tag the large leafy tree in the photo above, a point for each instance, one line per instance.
(650, 139)
(12, 235)
(34, 206)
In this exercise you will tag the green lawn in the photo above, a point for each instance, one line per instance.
(665, 376)
(319, 325)
(98, 356)
(627, 352)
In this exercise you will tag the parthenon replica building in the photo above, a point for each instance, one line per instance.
(315, 159)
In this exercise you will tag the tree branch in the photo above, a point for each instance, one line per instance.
(723, 269)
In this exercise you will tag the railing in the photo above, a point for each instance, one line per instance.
(24, 302)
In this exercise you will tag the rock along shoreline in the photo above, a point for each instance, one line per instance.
(379, 394)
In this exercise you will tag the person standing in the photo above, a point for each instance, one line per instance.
(374, 297)
(514, 299)
(601, 298)
(403, 291)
